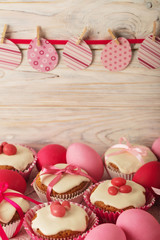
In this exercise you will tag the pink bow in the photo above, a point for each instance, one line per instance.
(3, 196)
(138, 152)
(70, 169)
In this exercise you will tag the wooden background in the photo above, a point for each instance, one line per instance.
(93, 106)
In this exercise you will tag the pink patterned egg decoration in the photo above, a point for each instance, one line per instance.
(116, 57)
(43, 58)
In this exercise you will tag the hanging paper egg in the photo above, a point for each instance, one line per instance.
(43, 58)
(116, 57)
(77, 57)
(10, 55)
(149, 53)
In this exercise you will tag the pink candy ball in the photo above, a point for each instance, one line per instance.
(86, 158)
(57, 210)
(139, 225)
(106, 231)
(51, 155)
(156, 147)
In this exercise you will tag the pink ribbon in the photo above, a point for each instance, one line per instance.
(4, 196)
(70, 169)
(139, 152)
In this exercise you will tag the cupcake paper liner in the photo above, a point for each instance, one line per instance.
(92, 223)
(26, 172)
(10, 228)
(114, 174)
(107, 216)
(73, 197)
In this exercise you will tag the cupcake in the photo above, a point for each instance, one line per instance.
(123, 160)
(9, 217)
(59, 220)
(109, 198)
(68, 187)
(18, 158)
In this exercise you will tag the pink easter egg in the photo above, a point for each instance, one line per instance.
(43, 58)
(138, 225)
(86, 158)
(14, 179)
(10, 55)
(106, 231)
(156, 147)
(149, 53)
(51, 155)
(77, 57)
(148, 175)
(116, 57)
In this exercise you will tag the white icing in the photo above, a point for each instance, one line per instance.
(74, 220)
(66, 183)
(20, 160)
(7, 211)
(135, 198)
(127, 162)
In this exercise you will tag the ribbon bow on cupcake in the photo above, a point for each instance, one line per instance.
(4, 195)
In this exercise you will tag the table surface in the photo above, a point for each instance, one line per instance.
(154, 210)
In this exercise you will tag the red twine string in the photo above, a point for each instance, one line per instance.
(63, 42)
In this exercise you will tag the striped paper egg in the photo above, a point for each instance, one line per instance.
(10, 55)
(149, 53)
(77, 57)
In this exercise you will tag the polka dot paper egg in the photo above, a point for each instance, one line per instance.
(43, 58)
(116, 57)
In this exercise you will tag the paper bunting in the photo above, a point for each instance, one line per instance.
(43, 58)
(77, 57)
(149, 53)
(116, 57)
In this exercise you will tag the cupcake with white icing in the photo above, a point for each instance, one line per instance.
(124, 159)
(59, 220)
(69, 186)
(18, 158)
(109, 198)
(9, 217)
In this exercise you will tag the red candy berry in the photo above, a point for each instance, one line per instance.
(125, 189)
(112, 190)
(118, 182)
(56, 203)
(9, 149)
(57, 210)
(66, 205)
(1, 149)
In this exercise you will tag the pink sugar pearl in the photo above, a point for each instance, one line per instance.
(57, 210)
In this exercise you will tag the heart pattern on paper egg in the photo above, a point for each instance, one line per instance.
(43, 58)
(116, 57)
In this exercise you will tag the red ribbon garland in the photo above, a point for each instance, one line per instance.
(3, 196)
(63, 42)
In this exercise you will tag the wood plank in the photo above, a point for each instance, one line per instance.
(135, 87)
(63, 19)
(97, 127)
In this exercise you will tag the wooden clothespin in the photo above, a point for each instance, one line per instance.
(154, 31)
(113, 37)
(4, 33)
(38, 36)
(81, 36)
